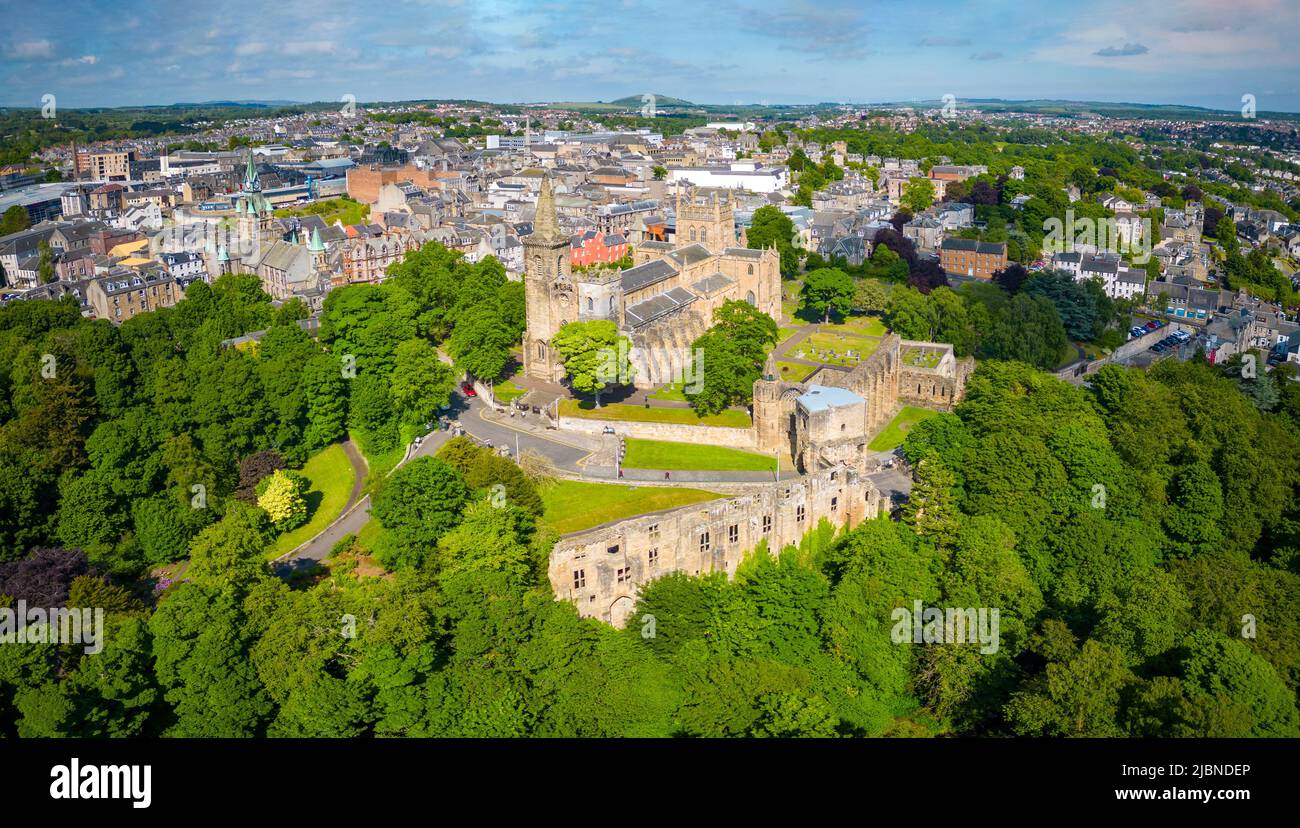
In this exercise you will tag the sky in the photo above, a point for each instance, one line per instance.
(130, 52)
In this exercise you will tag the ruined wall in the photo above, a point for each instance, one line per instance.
(740, 438)
(601, 569)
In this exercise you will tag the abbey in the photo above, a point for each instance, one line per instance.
(662, 303)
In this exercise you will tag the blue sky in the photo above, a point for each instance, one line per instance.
(1200, 52)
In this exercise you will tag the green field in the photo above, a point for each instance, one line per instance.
(921, 358)
(893, 434)
(861, 346)
(785, 333)
(573, 505)
(331, 209)
(506, 391)
(658, 454)
(379, 462)
(859, 325)
(672, 392)
(731, 418)
(794, 371)
(330, 474)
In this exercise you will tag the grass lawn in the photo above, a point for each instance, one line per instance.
(893, 434)
(859, 325)
(330, 474)
(672, 391)
(733, 418)
(573, 505)
(794, 372)
(921, 358)
(380, 462)
(841, 344)
(658, 454)
(785, 333)
(342, 208)
(506, 391)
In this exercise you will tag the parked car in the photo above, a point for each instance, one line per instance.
(1152, 325)
(1158, 348)
(467, 389)
(607, 430)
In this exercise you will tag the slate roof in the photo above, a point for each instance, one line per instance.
(656, 306)
(635, 278)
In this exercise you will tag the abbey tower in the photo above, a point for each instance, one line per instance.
(549, 291)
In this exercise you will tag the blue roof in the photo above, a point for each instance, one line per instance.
(822, 397)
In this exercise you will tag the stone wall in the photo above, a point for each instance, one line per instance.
(601, 569)
(740, 438)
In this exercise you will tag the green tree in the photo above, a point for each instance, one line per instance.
(418, 504)
(595, 356)
(918, 195)
(826, 290)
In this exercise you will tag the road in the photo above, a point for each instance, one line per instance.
(586, 455)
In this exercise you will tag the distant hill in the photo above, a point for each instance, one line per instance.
(660, 100)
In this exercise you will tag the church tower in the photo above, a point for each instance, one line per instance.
(549, 292)
(706, 218)
(769, 425)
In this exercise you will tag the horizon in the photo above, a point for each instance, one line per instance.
(1201, 53)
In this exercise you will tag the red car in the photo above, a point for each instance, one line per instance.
(468, 389)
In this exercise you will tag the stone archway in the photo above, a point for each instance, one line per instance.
(620, 611)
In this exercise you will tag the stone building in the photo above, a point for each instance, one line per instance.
(833, 421)
(601, 569)
(661, 304)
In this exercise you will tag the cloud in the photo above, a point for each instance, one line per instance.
(252, 47)
(30, 49)
(1127, 50)
(987, 56)
(934, 42)
(87, 60)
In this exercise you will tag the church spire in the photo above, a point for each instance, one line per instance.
(546, 224)
(251, 183)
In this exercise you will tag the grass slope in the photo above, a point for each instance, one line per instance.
(574, 505)
(330, 474)
(660, 454)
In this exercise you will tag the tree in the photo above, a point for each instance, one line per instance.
(418, 504)
(930, 508)
(660, 172)
(326, 393)
(45, 268)
(869, 296)
(14, 220)
(1012, 277)
(918, 195)
(827, 289)
(482, 341)
(595, 356)
(772, 228)
(230, 555)
(420, 383)
(283, 496)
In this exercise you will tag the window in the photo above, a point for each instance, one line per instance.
(692, 234)
(767, 524)
(613, 550)
(590, 304)
(653, 530)
(652, 557)
(623, 576)
(799, 513)
(750, 272)
(835, 503)
(733, 533)
(579, 578)
(705, 545)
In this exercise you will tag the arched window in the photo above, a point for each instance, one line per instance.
(749, 297)
(750, 270)
(704, 236)
(692, 234)
(589, 303)
(611, 304)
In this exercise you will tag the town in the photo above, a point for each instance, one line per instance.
(633, 407)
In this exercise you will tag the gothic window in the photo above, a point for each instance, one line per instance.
(590, 304)
(611, 304)
(692, 234)
(704, 236)
(750, 271)
(749, 297)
